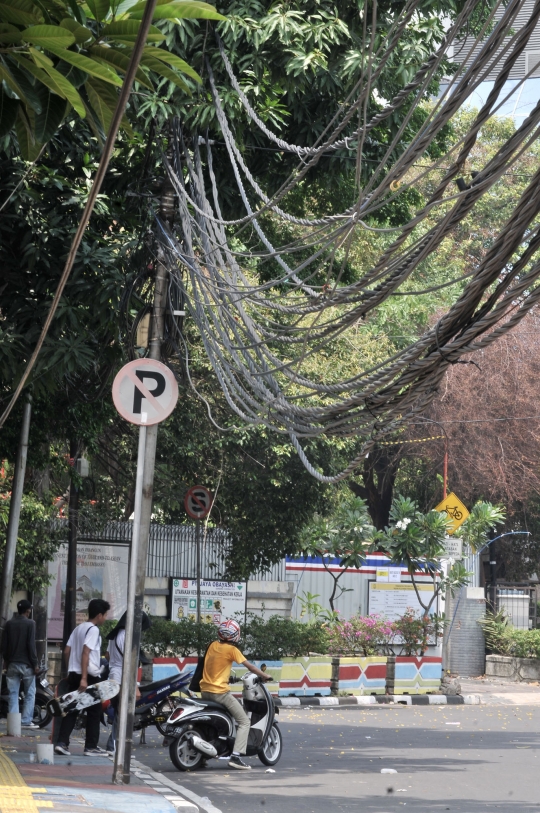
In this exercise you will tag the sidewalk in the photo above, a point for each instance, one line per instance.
(500, 692)
(76, 782)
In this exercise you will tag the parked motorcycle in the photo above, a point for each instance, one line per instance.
(44, 693)
(199, 730)
(156, 703)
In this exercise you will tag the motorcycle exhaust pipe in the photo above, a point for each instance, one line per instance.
(202, 746)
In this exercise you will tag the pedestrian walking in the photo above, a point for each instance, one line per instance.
(20, 657)
(218, 660)
(115, 656)
(82, 654)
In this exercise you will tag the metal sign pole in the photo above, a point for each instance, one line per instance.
(198, 544)
(129, 670)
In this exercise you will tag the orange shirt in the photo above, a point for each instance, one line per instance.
(217, 667)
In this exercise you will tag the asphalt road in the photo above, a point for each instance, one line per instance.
(464, 759)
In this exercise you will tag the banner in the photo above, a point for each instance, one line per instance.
(219, 600)
(102, 572)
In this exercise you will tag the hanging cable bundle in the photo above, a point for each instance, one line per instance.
(263, 338)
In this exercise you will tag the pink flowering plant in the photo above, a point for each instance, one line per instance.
(361, 635)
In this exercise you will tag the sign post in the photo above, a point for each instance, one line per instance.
(144, 406)
(198, 503)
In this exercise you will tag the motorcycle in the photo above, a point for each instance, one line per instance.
(156, 702)
(42, 714)
(199, 730)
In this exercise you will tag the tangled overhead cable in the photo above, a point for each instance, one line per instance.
(263, 338)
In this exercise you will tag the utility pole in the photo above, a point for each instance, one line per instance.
(70, 600)
(8, 566)
(141, 525)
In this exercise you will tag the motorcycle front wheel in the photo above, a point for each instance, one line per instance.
(270, 753)
(183, 755)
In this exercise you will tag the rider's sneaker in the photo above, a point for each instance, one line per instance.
(29, 725)
(239, 764)
(95, 752)
(59, 748)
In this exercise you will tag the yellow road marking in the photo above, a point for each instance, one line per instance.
(15, 795)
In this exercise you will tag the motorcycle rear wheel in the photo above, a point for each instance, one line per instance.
(270, 753)
(165, 709)
(183, 755)
(42, 713)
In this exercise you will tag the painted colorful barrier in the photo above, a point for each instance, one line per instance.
(306, 677)
(168, 667)
(359, 676)
(417, 675)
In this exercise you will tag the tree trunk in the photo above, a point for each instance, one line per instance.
(379, 477)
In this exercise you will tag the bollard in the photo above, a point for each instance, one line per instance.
(45, 753)
(14, 724)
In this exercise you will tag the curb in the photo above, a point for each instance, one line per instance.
(381, 699)
(190, 803)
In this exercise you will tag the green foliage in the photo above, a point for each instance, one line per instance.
(504, 639)
(279, 637)
(346, 534)
(483, 517)
(53, 53)
(272, 639)
(416, 631)
(36, 542)
(182, 638)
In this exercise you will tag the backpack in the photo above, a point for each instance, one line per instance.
(195, 684)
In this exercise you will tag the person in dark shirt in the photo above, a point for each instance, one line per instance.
(20, 657)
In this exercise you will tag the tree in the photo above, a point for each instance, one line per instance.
(346, 535)
(37, 541)
(416, 539)
(59, 56)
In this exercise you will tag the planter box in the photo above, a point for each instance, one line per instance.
(516, 669)
(306, 677)
(420, 675)
(359, 676)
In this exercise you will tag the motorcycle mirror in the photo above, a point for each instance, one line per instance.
(263, 667)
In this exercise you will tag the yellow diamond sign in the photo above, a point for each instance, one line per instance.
(455, 509)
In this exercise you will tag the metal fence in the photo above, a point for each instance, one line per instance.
(172, 548)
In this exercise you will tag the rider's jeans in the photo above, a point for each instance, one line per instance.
(235, 710)
(15, 674)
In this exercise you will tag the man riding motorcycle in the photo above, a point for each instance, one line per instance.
(214, 683)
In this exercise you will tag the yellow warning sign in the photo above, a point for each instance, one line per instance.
(455, 509)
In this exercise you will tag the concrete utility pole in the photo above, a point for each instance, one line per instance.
(143, 514)
(8, 566)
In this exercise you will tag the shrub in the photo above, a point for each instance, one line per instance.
(177, 639)
(361, 635)
(504, 639)
(280, 637)
(415, 632)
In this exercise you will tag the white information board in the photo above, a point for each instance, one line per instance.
(392, 600)
(219, 600)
